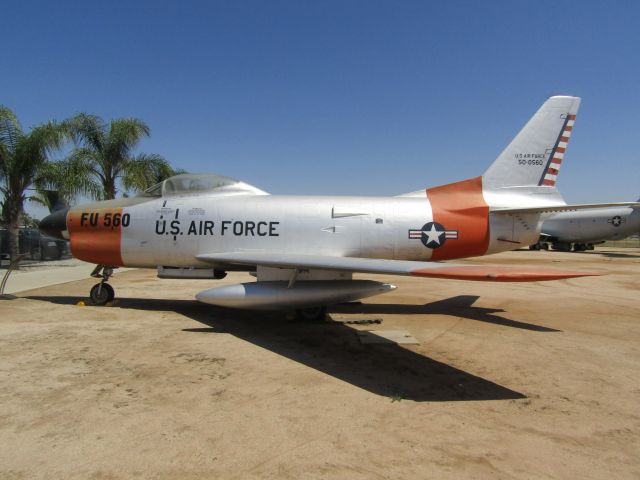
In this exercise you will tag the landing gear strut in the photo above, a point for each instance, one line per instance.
(539, 246)
(102, 293)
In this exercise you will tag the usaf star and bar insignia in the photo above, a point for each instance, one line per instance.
(433, 235)
(616, 221)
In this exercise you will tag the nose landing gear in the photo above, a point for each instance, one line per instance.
(102, 293)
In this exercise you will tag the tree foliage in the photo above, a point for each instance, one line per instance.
(23, 158)
(101, 163)
(103, 160)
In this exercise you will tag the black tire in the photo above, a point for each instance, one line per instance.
(106, 294)
(312, 314)
(561, 247)
(545, 246)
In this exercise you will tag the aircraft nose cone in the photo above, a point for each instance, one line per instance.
(55, 224)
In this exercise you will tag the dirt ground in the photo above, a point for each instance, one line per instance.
(521, 380)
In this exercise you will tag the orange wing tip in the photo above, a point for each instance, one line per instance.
(499, 274)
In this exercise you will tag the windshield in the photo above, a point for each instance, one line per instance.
(189, 183)
(155, 191)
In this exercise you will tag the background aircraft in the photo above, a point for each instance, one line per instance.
(304, 249)
(580, 230)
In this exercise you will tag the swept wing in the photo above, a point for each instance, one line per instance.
(485, 273)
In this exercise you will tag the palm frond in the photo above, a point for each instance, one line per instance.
(48, 137)
(104, 156)
(124, 135)
(85, 169)
(32, 152)
(86, 130)
(144, 171)
(10, 134)
(10, 128)
(41, 199)
(70, 177)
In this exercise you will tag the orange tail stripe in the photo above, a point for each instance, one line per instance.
(461, 206)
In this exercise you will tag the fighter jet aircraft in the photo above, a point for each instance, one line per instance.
(581, 230)
(303, 250)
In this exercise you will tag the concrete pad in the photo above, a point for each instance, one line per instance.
(43, 274)
(399, 337)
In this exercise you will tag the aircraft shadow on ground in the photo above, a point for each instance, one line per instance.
(332, 348)
(459, 306)
(616, 254)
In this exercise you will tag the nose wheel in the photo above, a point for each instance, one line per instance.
(102, 293)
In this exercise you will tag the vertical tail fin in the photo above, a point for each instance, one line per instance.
(534, 156)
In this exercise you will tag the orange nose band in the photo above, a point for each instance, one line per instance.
(96, 235)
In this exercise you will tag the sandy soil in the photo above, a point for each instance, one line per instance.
(509, 381)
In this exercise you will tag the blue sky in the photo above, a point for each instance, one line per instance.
(338, 97)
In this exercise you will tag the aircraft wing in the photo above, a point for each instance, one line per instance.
(485, 273)
(565, 208)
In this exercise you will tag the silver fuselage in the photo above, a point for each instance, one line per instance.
(172, 231)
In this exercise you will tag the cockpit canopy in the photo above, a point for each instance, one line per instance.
(204, 183)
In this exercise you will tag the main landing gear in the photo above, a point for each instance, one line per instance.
(102, 293)
(539, 246)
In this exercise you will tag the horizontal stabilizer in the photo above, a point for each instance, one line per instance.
(485, 273)
(565, 208)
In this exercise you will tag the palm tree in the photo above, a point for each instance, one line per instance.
(24, 157)
(103, 159)
(62, 181)
(51, 199)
